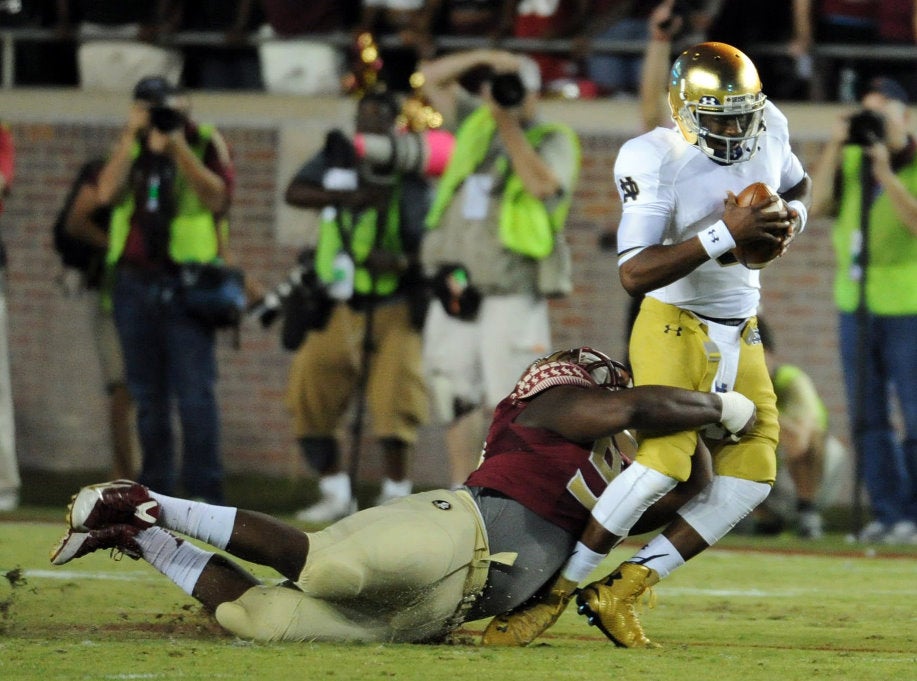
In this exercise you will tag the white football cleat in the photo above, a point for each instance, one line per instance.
(119, 538)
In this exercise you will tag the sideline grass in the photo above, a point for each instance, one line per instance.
(735, 613)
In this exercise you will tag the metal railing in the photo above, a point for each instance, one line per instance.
(821, 55)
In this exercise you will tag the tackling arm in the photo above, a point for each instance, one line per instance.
(584, 415)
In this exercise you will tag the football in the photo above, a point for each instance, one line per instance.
(756, 255)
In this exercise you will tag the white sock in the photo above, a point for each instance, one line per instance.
(396, 488)
(660, 555)
(581, 563)
(179, 560)
(209, 523)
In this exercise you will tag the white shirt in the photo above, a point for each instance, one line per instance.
(670, 191)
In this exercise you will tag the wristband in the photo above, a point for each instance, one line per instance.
(716, 239)
(801, 211)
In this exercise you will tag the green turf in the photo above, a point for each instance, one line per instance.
(751, 610)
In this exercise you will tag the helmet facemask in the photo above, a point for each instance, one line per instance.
(716, 101)
(604, 371)
(701, 120)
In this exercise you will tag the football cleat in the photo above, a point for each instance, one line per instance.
(112, 503)
(523, 625)
(118, 538)
(609, 604)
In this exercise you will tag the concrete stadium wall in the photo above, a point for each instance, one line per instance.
(59, 398)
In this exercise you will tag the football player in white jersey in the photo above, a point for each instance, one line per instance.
(696, 327)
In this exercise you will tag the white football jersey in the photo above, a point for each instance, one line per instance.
(670, 191)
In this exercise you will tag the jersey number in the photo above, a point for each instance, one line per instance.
(606, 458)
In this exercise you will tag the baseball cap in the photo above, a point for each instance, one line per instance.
(886, 87)
(153, 89)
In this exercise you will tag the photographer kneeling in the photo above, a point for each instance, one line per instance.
(867, 178)
(369, 347)
(169, 182)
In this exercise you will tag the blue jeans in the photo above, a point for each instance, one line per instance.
(888, 466)
(168, 356)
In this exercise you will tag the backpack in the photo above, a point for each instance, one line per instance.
(74, 252)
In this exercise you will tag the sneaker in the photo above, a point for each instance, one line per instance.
(327, 510)
(523, 625)
(118, 538)
(873, 532)
(809, 525)
(112, 503)
(902, 532)
(391, 489)
(9, 500)
(610, 604)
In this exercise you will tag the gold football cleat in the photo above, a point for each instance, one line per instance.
(523, 625)
(610, 604)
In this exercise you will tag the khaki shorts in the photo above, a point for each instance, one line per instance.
(670, 346)
(324, 376)
(399, 572)
(478, 362)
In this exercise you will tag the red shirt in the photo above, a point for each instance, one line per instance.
(558, 479)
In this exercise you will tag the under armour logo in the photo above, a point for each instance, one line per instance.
(708, 100)
(714, 237)
(721, 388)
(673, 329)
(442, 505)
(629, 189)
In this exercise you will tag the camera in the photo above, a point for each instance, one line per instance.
(166, 102)
(425, 153)
(866, 128)
(166, 119)
(507, 89)
(300, 299)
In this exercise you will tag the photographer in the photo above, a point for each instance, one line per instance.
(369, 347)
(495, 243)
(169, 181)
(870, 166)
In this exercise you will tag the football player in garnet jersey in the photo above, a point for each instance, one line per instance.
(696, 328)
(416, 567)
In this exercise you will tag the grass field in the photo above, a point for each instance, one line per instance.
(748, 610)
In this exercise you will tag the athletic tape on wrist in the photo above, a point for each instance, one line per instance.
(716, 239)
(802, 211)
(736, 410)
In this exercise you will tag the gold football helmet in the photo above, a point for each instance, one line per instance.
(716, 101)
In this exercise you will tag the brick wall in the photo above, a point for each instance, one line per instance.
(58, 393)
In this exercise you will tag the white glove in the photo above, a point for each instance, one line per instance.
(738, 414)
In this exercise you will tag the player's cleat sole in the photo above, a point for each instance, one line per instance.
(119, 538)
(120, 502)
(610, 605)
